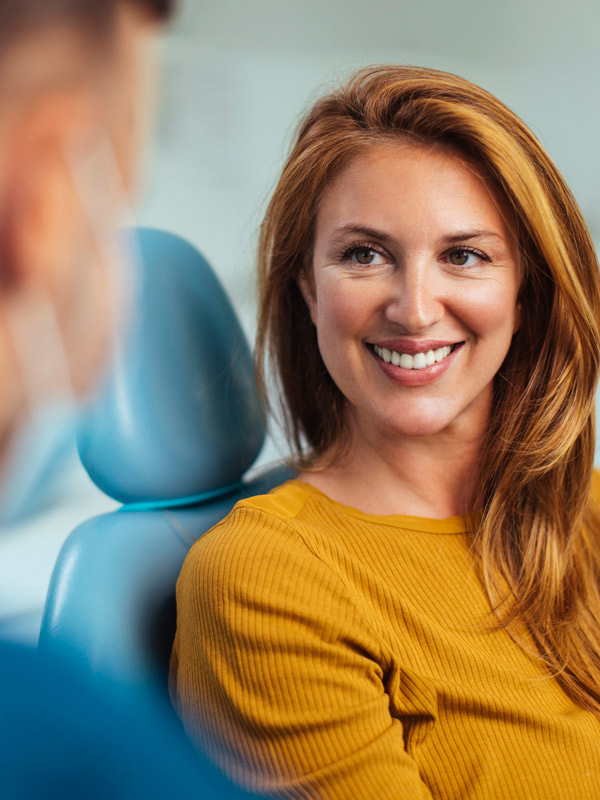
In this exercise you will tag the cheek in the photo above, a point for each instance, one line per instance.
(343, 310)
(489, 310)
(335, 315)
(342, 315)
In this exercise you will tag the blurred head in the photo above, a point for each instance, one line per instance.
(76, 80)
(65, 45)
(426, 111)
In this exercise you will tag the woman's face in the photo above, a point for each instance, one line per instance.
(414, 297)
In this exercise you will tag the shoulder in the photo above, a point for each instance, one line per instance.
(285, 502)
(259, 569)
(258, 544)
(263, 518)
(595, 487)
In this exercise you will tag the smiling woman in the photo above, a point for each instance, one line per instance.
(418, 614)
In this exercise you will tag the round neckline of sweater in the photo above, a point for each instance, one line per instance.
(448, 525)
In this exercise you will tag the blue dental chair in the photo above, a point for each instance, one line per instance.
(171, 437)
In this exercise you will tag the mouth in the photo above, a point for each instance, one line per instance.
(414, 361)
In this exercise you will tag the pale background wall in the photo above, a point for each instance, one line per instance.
(238, 74)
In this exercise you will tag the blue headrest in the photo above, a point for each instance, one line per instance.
(179, 415)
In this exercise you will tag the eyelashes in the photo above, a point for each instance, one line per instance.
(364, 247)
(362, 250)
(469, 251)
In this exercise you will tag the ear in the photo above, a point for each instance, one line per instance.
(39, 212)
(518, 317)
(308, 293)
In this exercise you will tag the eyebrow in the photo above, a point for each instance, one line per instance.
(462, 236)
(373, 233)
(370, 233)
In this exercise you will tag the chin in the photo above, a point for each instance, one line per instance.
(418, 429)
(418, 424)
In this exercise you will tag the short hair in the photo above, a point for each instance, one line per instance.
(91, 17)
(534, 515)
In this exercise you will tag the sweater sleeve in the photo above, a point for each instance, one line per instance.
(275, 674)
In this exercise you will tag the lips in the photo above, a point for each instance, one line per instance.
(419, 367)
(420, 360)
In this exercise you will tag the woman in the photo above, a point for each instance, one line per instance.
(418, 614)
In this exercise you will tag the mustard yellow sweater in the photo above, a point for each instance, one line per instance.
(326, 653)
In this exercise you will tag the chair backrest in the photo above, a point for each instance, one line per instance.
(171, 436)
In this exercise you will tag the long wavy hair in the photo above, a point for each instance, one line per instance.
(537, 530)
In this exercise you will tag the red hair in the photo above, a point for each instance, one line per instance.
(537, 531)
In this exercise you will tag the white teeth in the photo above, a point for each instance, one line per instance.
(418, 361)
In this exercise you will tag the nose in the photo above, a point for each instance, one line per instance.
(415, 300)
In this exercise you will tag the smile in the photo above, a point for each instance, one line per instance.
(417, 361)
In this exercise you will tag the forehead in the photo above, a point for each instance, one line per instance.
(424, 188)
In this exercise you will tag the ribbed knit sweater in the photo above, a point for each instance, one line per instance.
(322, 652)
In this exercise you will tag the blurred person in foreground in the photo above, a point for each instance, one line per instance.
(76, 83)
(75, 77)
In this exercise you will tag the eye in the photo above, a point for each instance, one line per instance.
(364, 255)
(465, 257)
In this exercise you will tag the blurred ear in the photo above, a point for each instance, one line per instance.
(39, 212)
(308, 293)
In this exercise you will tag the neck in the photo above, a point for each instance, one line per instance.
(422, 476)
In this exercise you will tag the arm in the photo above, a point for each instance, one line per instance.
(275, 673)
